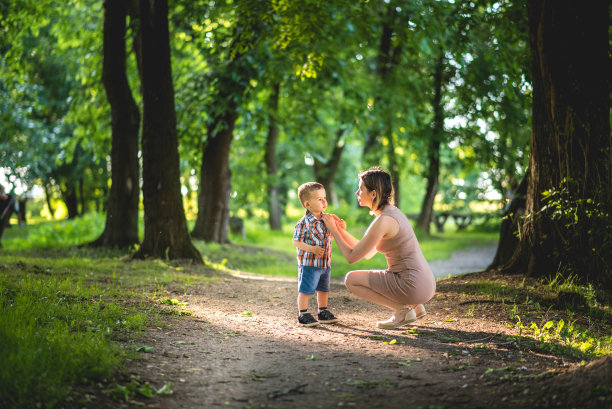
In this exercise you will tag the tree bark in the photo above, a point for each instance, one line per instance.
(433, 158)
(215, 175)
(325, 172)
(508, 239)
(121, 228)
(571, 146)
(215, 181)
(386, 61)
(274, 209)
(166, 234)
(48, 198)
(70, 199)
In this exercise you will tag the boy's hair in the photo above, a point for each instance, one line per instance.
(305, 190)
(377, 179)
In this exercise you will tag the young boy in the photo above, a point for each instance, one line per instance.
(313, 242)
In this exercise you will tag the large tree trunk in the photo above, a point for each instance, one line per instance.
(215, 175)
(571, 148)
(215, 181)
(325, 172)
(433, 154)
(121, 228)
(166, 234)
(274, 209)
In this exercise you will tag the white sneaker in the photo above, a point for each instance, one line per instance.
(401, 317)
(420, 311)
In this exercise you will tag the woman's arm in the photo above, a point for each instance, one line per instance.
(354, 250)
(351, 242)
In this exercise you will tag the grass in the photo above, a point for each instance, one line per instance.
(68, 316)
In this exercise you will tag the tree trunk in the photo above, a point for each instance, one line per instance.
(48, 198)
(325, 172)
(6, 210)
(433, 170)
(166, 234)
(394, 167)
(215, 181)
(70, 199)
(571, 148)
(215, 175)
(508, 239)
(274, 209)
(386, 61)
(121, 228)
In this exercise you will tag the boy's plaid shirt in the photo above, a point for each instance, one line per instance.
(312, 231)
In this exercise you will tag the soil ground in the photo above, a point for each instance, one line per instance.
(242, 348)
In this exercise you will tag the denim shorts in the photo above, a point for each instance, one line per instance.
(311, 279)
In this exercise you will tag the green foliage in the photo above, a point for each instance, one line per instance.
(566, 338)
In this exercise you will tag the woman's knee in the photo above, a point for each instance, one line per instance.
(358, 277)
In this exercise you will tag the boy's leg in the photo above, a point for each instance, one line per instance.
(302, 301)
(325, 316)
(306, 287)
(322, 297)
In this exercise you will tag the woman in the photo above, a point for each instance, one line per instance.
(408, 282)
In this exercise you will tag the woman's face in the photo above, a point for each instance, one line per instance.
(365, 197)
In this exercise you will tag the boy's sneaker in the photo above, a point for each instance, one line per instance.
(326, 317)
(307, 320)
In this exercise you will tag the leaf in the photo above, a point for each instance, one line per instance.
(166, 389)
(144, 348)
(450, 339)
(393, 341)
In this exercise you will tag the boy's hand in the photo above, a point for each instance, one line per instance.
(318, 251)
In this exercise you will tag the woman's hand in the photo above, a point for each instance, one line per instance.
(333, 222)
(329, 221)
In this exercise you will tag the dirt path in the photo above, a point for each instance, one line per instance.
(243, 349)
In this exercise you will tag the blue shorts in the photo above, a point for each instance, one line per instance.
(311, 279)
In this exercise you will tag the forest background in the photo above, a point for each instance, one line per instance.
(154, 125)
(442, 100)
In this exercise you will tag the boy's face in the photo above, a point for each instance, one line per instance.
(317, 202)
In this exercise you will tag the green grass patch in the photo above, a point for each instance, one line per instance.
(66, 312)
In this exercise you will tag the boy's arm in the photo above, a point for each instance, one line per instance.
(319, 251)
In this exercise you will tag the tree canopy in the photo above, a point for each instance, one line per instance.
(269, 94)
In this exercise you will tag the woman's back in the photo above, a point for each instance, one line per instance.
(402, 251)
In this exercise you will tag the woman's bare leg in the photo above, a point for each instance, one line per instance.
(358, 283)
